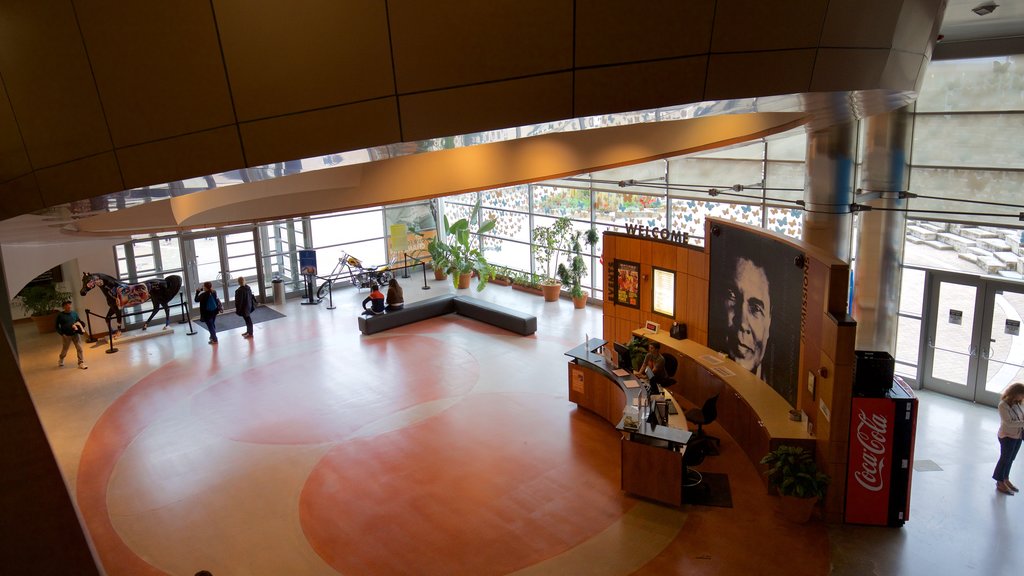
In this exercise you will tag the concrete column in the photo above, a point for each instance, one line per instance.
(828, 222)
(879, 265)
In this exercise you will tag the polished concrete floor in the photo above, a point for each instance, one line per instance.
(445, 447)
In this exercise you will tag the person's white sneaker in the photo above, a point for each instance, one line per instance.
(82, 366)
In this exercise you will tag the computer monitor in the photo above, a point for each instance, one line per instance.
(624, 359)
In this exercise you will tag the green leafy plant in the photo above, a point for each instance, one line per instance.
(637, 347)
(572, 275)
(548, 242)
(460, 253)
(792, 471)
(41, 300)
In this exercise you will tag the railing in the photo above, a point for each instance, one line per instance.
(185, 318)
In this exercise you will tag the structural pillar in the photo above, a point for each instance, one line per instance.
(878, 271)
(828, 221)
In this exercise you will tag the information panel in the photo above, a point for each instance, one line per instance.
(664, 292)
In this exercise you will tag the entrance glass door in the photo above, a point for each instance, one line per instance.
(974, 347)
(951, 351)
(220, 258)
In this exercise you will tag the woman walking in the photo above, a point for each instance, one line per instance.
(1011, 423)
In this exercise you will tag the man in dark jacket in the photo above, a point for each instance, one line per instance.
(69, 326)
(245, 303)
(209, 307)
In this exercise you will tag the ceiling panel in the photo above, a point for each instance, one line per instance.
(640, 86)
(844, 69)
(209, 152)
(20, 196)
(49, 83)
(919, 22)
(486, 106)
(744, 25)
(321, 132)
(448, 43)
(759, 74)
(79, 180)
(158, 67)
(13, 159)
(616, 32)
(306, 54)
(860, 23)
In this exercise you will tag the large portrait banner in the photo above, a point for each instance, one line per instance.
(755, 297)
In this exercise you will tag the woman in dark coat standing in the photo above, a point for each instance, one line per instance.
(245, 303)
(209, 308)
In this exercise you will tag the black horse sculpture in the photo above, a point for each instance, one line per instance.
(119, 295)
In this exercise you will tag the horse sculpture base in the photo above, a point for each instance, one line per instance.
(137, 335)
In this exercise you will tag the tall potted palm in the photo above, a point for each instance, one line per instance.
(571, 275)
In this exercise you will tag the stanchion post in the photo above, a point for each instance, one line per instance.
(425, 287)
(330, 294)
(110, 338)
(405, 264)
(188, 318)
(88, 320)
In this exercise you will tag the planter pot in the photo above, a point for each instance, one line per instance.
(439, 274)
(551, 292)
(579, 303)
(798, 510)
(464, 280)
(527, 289)
(46, 324)
(500, 281)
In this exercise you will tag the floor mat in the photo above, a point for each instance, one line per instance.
(712, 491)
(229, 320)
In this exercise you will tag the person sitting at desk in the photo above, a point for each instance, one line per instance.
(654, 362)
(376, 301)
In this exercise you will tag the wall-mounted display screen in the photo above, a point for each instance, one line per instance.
(663, 301)
(755, 296)
(627, 283)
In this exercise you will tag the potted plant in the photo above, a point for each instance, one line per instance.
(43, 302)
(792, 472)
(548, 241)
(460, 257)
(439, 257)
(526, 282)
(502, 276)
(637, 347)
(572, 274)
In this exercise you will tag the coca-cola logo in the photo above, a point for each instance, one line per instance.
(871, 436)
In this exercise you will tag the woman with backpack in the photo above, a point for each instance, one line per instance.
(209, 308)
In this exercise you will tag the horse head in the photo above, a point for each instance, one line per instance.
(89, 281)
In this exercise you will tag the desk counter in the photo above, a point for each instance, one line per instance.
(651, 456)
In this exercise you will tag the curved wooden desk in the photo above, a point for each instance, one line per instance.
(751, 411)
(652, 456)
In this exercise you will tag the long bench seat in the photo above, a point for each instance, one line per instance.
(489, 312)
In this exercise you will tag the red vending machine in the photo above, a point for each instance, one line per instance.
(881, 457)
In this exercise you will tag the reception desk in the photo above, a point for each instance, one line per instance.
(652, 456)
(751, 411)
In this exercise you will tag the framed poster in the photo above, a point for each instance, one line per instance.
(663, 300)
(627, 283)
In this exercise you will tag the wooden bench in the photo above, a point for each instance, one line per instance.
(493, 314)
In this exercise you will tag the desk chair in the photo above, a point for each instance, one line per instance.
(696, 450)
(671, 365)
(706, 415)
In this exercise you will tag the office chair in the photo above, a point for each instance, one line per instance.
(671, 365)
(706, 415)
(696, 450)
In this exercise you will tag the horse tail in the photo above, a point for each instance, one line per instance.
(173, 285)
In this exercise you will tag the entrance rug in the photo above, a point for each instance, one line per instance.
(229, 320)
(712, 491)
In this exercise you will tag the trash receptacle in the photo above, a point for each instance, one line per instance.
(278, 291)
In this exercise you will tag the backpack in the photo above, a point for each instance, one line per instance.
(211, 303)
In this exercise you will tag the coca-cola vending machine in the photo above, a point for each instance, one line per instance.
(881, 457)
